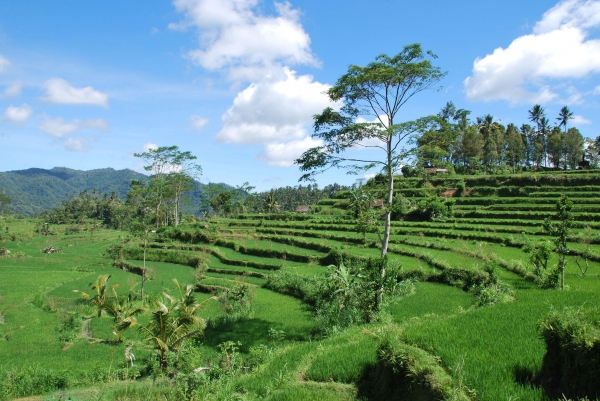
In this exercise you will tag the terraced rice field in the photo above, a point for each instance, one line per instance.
(492, 352)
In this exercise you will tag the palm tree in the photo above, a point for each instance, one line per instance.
(536, 113)
(564, 116)
(123, 310)
(99, 300)
(173, 322)
(271, 203)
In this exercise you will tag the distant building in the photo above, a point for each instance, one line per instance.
(434, 170)
(303, 209)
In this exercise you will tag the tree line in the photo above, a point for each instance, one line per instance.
(456, 143)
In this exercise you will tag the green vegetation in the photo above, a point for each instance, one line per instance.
(426, 286)
(255, 290)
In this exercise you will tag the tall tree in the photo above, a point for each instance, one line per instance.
(181, 179)
(556, 147)
(171, 172)
(536, 114)
(528, 134)
(515, 148)
(472, 147)
(493, 137)
(376, 92)
(573, 148)
(545, 131)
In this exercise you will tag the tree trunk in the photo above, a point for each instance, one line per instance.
(563, 262)
(144, 270)
(176, 210)
(388, 218)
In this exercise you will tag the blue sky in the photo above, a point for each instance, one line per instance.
(87, 84)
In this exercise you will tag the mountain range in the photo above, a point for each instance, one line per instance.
(35, 190)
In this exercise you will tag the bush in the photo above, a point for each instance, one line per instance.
(237, 301)
(493, 294)
(571, 364)
(433, 208)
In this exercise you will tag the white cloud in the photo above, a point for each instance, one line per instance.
(276, 108)
(569, 14)
(17, 114)
(558, 48)
(13, 90)
(273, 111)
(76, 145)
(3, 63)
(233, 35)
(597, 90)
(198, 122)
(284, 154)
(149, 145)
(59, 91)
(58, 127)
(579, 120)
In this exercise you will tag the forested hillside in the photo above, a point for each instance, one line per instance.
(35, 189)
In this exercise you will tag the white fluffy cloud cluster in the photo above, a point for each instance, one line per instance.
(273, 110)
(59, 128)
(277, 105)
(59, 91)
(558, 48)
(233, 36)
(17, 114)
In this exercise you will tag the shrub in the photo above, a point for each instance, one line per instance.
(433, 208)
(498, 293)
(354, 293)
(237, 301)
(572, 361)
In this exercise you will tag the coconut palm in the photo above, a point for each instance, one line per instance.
(100, 298)
(271, 204)
(564, 116)
(124, 310)
(173, 322)
(536, 113)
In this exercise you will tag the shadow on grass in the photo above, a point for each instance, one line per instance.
(524, 376)
(528, 378)
(249, 332)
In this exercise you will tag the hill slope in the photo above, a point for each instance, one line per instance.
(35, 189)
